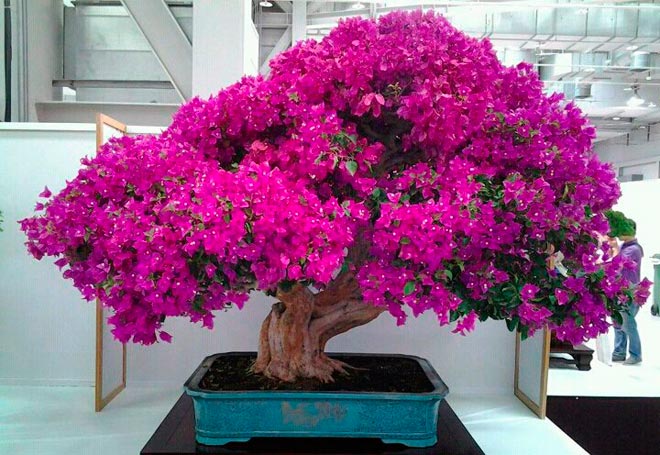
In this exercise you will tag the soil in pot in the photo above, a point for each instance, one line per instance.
(369, 374)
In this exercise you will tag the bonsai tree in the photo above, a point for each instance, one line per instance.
(396, 166)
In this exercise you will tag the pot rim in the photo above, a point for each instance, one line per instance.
(440, 389)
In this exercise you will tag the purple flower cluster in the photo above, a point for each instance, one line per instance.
(401, 134)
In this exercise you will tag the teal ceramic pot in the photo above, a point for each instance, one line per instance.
(237, 416)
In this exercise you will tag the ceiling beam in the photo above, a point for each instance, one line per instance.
(282, 44)
(166, 39)
(285, 5)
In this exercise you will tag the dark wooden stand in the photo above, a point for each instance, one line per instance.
(176, 436)
(581, 354)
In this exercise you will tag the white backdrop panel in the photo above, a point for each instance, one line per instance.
(42, 317)
(481, 362)
(46, 329)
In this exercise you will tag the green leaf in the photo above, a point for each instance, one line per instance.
(377, 193)
(511, 324)
(351, 167)
(344, 205)
(409, 288)
(449, 274)
(524, 332)
(294, 97)
(404, 240)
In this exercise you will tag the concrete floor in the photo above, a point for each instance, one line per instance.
(617, 380)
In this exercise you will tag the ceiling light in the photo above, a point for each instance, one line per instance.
(631, 48)
(590, 70)
(358, 5)
(652, 104)
(616, 118)
(265, 4)
(648, 78)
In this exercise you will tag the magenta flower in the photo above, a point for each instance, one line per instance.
(397, 151)
(45, 193)
(562, 296)
(528, 292)
(643, 291)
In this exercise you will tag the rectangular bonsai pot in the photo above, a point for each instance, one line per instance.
(237, 416)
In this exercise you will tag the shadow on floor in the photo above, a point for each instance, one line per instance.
(609, 425)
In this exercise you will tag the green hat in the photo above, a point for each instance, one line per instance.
(620, 224)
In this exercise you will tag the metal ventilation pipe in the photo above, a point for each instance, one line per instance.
(641, 61)
(582, 91)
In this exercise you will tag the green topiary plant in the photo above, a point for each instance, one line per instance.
(620, 224)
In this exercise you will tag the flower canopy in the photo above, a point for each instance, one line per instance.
(398, 150)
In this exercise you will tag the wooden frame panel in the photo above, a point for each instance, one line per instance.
(538, 408)
(101, 401)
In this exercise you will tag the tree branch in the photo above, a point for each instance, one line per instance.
(345, 316)
(344, 287)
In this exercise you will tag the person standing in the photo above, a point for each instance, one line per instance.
(626, 335)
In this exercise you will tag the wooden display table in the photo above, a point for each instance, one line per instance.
(176, 436)
(581, 354)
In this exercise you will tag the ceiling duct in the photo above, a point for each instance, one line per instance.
(582, 91)
(641, 61)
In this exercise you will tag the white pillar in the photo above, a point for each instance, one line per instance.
(299, 21)
(225, 44)
(37, 29)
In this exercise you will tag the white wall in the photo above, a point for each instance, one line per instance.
(47, 332)
(481, 362)
(639, 202)
(642, 147)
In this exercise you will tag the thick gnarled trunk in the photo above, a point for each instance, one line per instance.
(293, 336)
